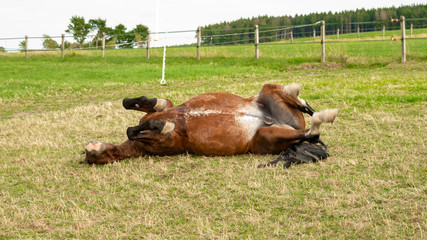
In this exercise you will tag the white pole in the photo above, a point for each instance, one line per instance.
(163, 81)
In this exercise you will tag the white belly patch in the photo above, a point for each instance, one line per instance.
(250, 119)
(249, 124)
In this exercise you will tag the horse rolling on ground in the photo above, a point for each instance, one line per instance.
(216, 124)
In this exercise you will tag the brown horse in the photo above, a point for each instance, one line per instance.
(216, 124)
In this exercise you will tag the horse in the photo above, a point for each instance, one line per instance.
(216, 124)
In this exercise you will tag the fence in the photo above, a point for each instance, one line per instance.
(316, 33)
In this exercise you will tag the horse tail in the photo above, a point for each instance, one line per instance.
(301, 152)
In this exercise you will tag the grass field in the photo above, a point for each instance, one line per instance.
(373, 185)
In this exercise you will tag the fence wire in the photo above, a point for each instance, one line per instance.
(268, 35)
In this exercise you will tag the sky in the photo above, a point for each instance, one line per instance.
(37, 17)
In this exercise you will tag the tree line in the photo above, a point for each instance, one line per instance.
(89, 34)
(346, 21)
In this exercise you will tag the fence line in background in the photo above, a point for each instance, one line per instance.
(255, 36)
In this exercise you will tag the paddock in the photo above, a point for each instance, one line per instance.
(371, 186)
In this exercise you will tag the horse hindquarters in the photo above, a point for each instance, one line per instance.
(275, 139)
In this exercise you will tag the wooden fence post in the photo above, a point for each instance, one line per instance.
(199, 40)
(256, 42)
(322, 41)
(403, 38)
(26, 47)
(412, 26)
(338, 34)
(292, 36)
(358, 31)
(314, 34)
(383, 32)
(62, 45)
(103, 45)
(148, 43)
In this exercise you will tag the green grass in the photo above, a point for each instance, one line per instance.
(44, 79)
(373, 184)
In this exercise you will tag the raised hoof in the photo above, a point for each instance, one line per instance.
(160, 105)
(168, 128)
(148, 128)
(293, 89)
(141, 103)
(325, 116)
(134, 133)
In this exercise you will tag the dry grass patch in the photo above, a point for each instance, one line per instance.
(371, 186)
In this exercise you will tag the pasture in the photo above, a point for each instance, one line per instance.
(373, 185)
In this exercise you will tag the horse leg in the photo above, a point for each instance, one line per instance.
(144, 135)
(157, 137)
(293, 90)
(102, 153)
(147, 105)
(148, 128)
(284, 97)
(325, 116)
(275, 139)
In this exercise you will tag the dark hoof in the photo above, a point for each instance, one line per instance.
(134, 133)
(145, 130)
(141, 103)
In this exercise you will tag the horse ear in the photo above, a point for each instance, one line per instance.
(293, 89)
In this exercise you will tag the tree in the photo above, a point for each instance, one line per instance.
(99, 26)
(79, 28)
(346, 21)
(67, 45)
(141, 30)
(22, 46)
(2, 49)
(49, 43)
(140, 34)
(123, 39)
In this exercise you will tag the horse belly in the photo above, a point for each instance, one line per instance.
(221, 134)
